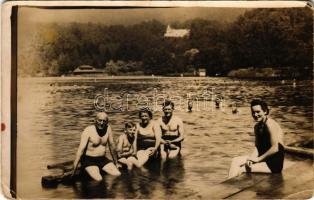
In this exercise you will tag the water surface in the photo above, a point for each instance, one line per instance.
(52, 113)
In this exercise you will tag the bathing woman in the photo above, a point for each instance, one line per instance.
(268, 156)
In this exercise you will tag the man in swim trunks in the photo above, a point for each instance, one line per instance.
(268, 156)
(172, 132)
(92, 148)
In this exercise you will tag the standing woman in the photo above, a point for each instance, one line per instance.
(268, 156)
(147, 137)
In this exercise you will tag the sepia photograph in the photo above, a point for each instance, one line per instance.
(164, 100)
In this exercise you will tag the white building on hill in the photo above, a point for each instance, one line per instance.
(177, 33)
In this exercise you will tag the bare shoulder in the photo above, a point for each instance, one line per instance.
(159, 120)
(156, 122)
(88, 130)
(109, 128)
(121, 137)
(272, 124)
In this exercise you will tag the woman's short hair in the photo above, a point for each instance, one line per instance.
(167, 103)
(263, 104)
(145, 110)
(129, 125)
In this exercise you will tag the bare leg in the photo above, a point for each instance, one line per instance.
(134, 161)
(127, 162)
(237, 166)
(111, 169)
(93, 172)
(163, 152)
(142, 156)
(260, 167)
(174, 151)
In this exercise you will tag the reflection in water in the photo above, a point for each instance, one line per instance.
(155, 177)
(173, 173)
(53, 112)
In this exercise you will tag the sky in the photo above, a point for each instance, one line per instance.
(124, 16)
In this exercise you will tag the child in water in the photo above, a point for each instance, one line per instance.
(125, 148)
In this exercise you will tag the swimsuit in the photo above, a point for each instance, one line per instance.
(99, 161)
(145, 139)
(262, 143)
(172, 137)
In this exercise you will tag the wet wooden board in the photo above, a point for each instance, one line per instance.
(293, 180)
(304, 152)
(277, 186)
(232, 186)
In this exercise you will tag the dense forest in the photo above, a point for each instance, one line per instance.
(260, 38)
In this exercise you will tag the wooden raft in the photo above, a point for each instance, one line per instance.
(295, 182)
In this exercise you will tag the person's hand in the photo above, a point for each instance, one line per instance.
(71, 172)
(252, 160)
(248, 163)
(151, 151)
(119, 165)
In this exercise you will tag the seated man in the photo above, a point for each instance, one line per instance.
(268, 156)
(92, 149)
(172, 132)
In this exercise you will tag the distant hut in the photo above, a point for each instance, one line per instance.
(87, 70)
(202, 72)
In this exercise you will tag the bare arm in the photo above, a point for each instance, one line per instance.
(127, 153)
(157, 132)
(135, 141)
(112, 147)
(81, 148)
(120, 145)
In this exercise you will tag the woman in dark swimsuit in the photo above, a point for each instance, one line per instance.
(147, 137)
(268, 155)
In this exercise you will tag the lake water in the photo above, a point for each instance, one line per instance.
(52, 113)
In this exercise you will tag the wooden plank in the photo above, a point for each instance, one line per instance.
(300, 185)
(232, 186)
(306, 192)
(60, 165)
(300, 151)
(279, 185)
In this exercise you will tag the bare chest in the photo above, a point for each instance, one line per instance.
(96, 140)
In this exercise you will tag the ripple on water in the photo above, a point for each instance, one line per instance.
(53, 121)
